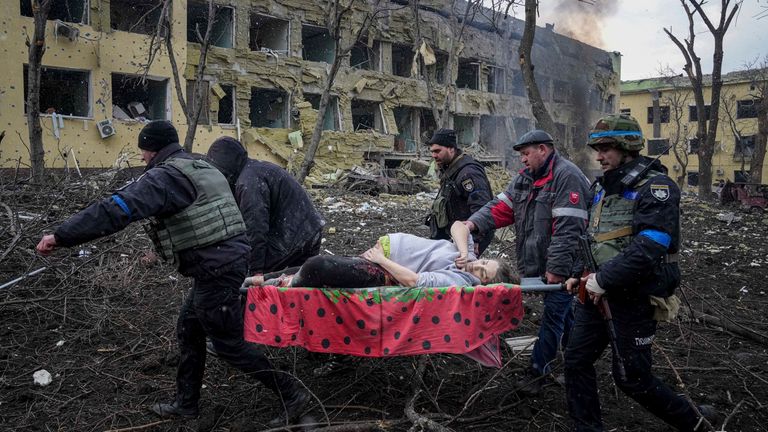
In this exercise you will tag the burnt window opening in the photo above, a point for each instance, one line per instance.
(610, 101)
(226, 106)
(658, 146)
(63, 91)
(627, 111)
(663, 114)
(560, 129)
(561, 91)
(405, 141)
(493, 133)
(204, 119)
(134, 99)
(402, 57)
(223, 30)
(468, 74)
(522, 125)
(135, 16)
(218, 102)
(693, 145)
(427, 124)
(365, 57)
(693, 113)
(745, 147)
(437, 70)
(331, 120)
(518, 84)
(693, 178)
(747, 108)
(317, 44)
(366, 116)
(269, 33)
(72, 11)
(269, 108)
(497, 80)
(465, 129)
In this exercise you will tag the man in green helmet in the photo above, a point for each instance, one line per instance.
(635, 230)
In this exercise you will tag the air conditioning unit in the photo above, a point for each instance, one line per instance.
(106, 129)
(67, 31)
(676, 167)
(720, 171)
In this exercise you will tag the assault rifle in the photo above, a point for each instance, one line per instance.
(590, 266)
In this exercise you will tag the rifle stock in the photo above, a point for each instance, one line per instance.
(590, 266)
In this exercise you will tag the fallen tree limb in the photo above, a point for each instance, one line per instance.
(728, 325)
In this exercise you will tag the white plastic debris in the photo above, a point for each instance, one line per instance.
(42, 377)
(60, 343)
(84, 253)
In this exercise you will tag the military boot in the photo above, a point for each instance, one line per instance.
(294, 400)
(170, 410)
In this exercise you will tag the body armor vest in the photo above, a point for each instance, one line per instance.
(211, 218)
(611, 220)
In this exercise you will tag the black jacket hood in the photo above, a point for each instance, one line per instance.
(229, 156)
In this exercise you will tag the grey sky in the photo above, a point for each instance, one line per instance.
(635, 28)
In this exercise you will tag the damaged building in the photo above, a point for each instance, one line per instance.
(266, 71)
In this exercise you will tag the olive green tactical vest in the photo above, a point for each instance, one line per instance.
(211, 218)
(610, 224)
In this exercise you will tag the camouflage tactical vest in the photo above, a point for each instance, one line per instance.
(610, 223)
(211, 218)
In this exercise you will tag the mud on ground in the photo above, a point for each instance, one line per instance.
(103, 325)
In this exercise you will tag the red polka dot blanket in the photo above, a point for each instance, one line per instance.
(385, 321)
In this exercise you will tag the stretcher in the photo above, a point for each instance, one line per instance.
(389, 321)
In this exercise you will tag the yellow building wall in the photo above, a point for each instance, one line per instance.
(723, 161)
(101, 53)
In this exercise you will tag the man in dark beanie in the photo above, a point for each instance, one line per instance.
(195, 224)
(464, 188)
(281, 223)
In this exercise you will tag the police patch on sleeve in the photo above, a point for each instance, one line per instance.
(468, 185)
(660, 191)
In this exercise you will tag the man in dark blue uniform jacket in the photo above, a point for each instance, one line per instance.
(195, 224)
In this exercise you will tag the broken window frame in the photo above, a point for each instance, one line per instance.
(143, 22)
(25, 9)
(466, 136)
(656, 145)
(318, 30)
(232, 94)
(747, 108)
(744, 147)
(663, 114)
(379, 125)
(693, 113)
(60, 91)
(285, 118)
(627, 111)
(497, 85)
(468, 81)
(693, 145)
(158, 82)
(251, 42)
(332, 110)
(191, 27)
(373, 53)
(204, 118)
(427, 124)
(409, 123)
(692, 178)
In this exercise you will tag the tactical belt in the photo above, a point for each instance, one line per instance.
(610, 235)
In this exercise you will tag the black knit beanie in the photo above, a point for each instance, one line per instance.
(157, 134)
(229, 156)
(444, 137)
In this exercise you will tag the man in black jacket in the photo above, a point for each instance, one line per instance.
(282, 225)
(195, 224)
(464, 188)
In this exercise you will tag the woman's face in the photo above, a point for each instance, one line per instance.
(483, 269)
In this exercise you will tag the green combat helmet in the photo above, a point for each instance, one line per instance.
(621, 130)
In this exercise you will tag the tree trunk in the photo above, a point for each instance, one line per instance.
(314, 143)
(538, 107)
(758, 156)
(40, 10)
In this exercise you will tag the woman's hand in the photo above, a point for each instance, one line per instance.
(375, 254)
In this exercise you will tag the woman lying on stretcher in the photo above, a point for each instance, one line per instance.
(398, 259)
